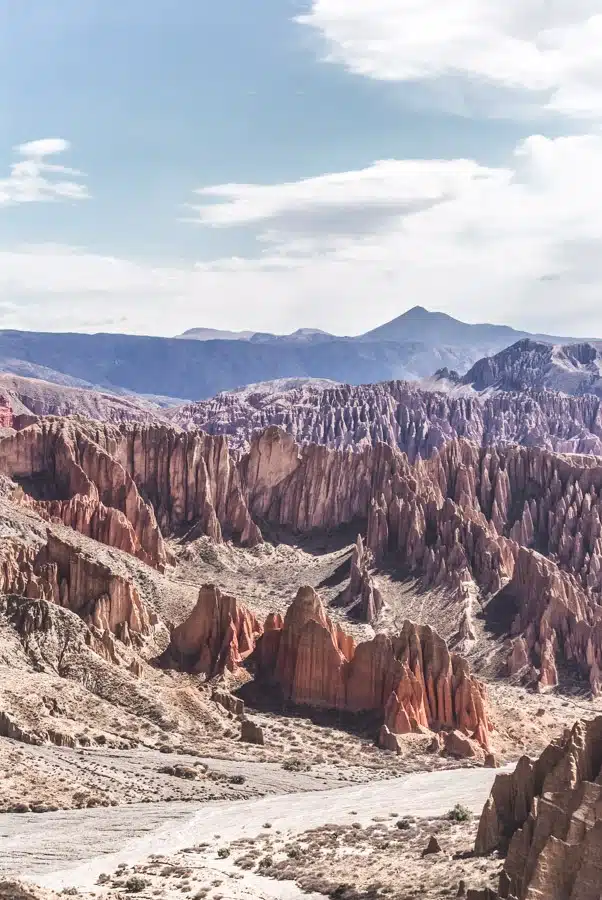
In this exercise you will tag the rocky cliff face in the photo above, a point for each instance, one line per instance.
(60, 573)
(400, 414)
(408, 680)
(534, 365)
(219, 634)
(472, 517)
(68, 475)
(548, 816)
(6, 413)
(469, 519)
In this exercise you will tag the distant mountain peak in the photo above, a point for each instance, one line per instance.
(534, 365)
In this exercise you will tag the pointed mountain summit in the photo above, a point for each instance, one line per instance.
(420, 324)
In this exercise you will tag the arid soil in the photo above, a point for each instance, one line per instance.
(220, 838)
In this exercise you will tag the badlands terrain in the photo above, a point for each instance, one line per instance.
(281, 642)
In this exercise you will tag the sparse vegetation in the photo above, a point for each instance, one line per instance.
(135, 884)
(295, 765)
(459, 814)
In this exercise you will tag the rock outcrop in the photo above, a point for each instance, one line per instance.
(6, 413)
(61, 573)
(547, 815)
(471, 517)
(218, 634)
(68, 475)
(404, 415)
(537, 365)
(470, 520)
(408, 681)
(34, 397)
(362, 592)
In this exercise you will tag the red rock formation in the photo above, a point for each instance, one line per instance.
(82, 485)
(548, 815)
(218, 634)
(410, 679)
(6, 413)
(60, 573)
(362, 587)
(457, 520)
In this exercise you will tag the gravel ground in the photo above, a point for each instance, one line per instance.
(73, 847)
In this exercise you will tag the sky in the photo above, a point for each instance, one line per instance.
(279, 164)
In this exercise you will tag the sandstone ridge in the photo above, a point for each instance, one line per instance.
(410, 681)
(414, 419)
(547, 815)
(471, 520)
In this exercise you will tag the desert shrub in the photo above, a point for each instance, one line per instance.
(223, 852)
(237, 779)
(459, 814)
(295, 765)
(135, 884)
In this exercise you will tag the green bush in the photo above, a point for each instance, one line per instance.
(135, 884)
(459, 814)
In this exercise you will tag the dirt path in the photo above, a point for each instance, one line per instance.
(71, 848)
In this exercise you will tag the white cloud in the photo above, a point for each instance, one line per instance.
(33, 180)
(545, 50)
(342, 202)
(518, 244)
(43, 147)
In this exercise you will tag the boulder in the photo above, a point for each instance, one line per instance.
(433, 846)
(459, 745)
(251, 733)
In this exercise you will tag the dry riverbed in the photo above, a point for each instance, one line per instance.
(183, 850)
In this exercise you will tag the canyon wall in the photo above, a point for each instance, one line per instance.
(473, 521)
(403, 415)
(547, 817)
(61, 573)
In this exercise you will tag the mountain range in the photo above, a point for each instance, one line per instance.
(203, 362)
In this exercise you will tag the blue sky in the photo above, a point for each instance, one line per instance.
(277, 164)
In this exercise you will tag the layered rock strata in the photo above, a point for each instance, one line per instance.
(547, 817)
(60, 573)
(409, 680)
(403, 415)
(218, 634)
